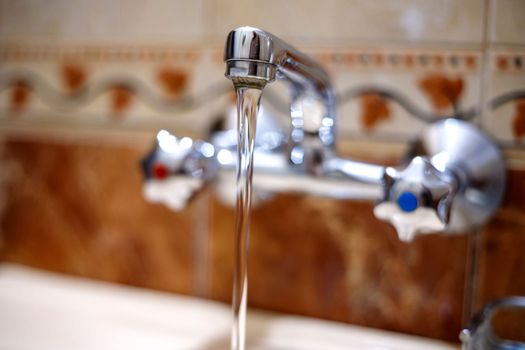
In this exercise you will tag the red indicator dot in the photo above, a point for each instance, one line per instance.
(160, 171)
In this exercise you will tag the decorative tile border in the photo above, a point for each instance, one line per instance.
(383, 93)
(408, 59)
(99, 53)
(510, 62)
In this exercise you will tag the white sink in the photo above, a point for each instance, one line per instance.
(42, 310)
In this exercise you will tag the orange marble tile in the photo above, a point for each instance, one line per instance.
(501, 268)
(334, 260)
(79, 210)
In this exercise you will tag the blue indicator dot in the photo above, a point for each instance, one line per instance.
(407, 201)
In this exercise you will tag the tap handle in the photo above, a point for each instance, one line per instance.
(176, 169)
(454, 182)
(416, 198)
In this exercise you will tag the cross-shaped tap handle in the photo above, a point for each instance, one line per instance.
(416, 198)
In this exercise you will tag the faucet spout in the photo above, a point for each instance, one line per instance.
(255, 57)
(252, 53)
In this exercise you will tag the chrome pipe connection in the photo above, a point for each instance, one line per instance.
(255, 57)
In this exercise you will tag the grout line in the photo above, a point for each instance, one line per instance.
(485, 65)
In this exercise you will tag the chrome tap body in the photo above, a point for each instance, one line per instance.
(254, 57)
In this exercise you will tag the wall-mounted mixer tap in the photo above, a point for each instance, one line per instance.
(452, 180)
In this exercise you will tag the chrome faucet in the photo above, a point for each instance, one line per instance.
(254, 57)
(453, 178)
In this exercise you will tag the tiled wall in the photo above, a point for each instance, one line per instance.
(131, 66)
(84, 85)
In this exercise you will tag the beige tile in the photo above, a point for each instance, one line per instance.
(340, 21)
(101, 21)
(293, 20)
(447, 21)
(508, 18)
(304, 22)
